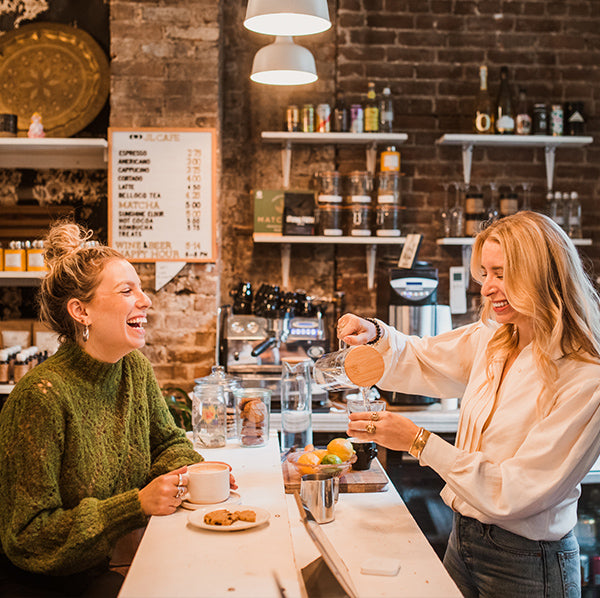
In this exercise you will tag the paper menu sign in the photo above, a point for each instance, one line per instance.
(162, 194)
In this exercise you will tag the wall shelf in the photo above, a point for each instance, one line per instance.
(548, 142)
(286, 242)
(470, 240)
(5, 389)
(21, 279)
(370, 140)
(53, 152)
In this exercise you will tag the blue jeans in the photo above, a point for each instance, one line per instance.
(486, 561)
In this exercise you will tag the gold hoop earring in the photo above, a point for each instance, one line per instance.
(86, 333)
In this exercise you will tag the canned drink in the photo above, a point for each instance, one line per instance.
(324, 118)
(308, 118)
(292, 118)
(357, 118)
(556, 120)
(540, 119)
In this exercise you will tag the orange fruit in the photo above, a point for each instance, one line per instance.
(320, 452)
(307, 461)
(342, 447)
(309, 447)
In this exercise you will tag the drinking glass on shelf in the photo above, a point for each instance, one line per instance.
(526, 205)
(444, 213)
(492, 213)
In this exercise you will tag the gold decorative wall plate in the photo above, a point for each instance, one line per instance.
(56, 70)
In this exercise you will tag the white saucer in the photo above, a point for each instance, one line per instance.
(197, 519)
(234, 499)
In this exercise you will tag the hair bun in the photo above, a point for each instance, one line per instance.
(64, 239)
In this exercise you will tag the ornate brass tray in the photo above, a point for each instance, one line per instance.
(56, 70)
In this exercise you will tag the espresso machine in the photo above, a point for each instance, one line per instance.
(407, 300)
(274, 326)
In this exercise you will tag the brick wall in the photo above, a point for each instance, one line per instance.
(180, 63)
(165, 73)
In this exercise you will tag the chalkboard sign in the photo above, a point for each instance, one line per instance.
(161, 194)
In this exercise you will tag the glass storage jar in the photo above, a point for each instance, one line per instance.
(387, 220)
(388, 187)
(329, 187)
(358, 220)
(253, 413)
(328, 220)
(229, 383)
(209, 418)
(360, 186)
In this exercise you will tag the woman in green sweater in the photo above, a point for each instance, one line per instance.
(88, 448)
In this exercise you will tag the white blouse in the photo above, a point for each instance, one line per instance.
(510, 466)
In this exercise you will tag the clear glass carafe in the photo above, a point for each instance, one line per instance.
(296, 404)
(229, 383)
(209, 417)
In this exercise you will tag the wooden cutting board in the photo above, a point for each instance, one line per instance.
(373, 479)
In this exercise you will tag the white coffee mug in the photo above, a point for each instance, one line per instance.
(208, 482)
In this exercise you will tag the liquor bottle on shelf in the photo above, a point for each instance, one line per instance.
(505, 118)
(457, 214)
(523, 119)
(341, 117)
(386, 111)
(573, 216)
(483, 115)
(371, 110)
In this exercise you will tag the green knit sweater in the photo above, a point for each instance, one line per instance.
(78, 439)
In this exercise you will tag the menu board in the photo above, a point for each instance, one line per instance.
(161, 194)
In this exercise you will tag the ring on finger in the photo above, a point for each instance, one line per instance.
(371, 428)
(374, 416)
(180, 481)
(180, 492)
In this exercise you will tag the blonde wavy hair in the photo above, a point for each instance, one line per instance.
(75, 264)
(544, 279)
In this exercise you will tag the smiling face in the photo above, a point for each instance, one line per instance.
(116, 314)
(492, 288)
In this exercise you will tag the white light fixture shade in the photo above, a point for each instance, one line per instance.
(284, 63)
(287, 17)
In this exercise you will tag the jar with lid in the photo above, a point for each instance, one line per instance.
(474, 213)
(209, 417)
(329, 187)
(509, 204)
(387, 220)
(360, 186)
(328, 219)
(360, 366)
(35, 257)
(358, 220)
(229, 384)
(4, 367)
(388, 187)
(14, 257)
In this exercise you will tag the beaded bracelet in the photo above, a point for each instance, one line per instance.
(377, 329)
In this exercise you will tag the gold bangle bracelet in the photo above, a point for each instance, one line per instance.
(418, 444)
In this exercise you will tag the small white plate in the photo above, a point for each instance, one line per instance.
(234, 499)
(196, 518)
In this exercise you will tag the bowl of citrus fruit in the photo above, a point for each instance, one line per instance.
(336, 459)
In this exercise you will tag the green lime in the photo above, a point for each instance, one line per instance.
(330, 459)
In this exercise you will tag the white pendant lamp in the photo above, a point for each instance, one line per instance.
(284, 63)
(287, 17)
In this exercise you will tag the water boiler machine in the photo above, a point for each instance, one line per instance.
(407, 300)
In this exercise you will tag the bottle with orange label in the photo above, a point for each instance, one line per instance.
(35, 257)
(390, 159)
(15, 257)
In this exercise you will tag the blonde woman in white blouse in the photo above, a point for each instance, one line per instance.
(529, 376)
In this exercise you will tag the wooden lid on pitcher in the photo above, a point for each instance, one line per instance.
(364, 365)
